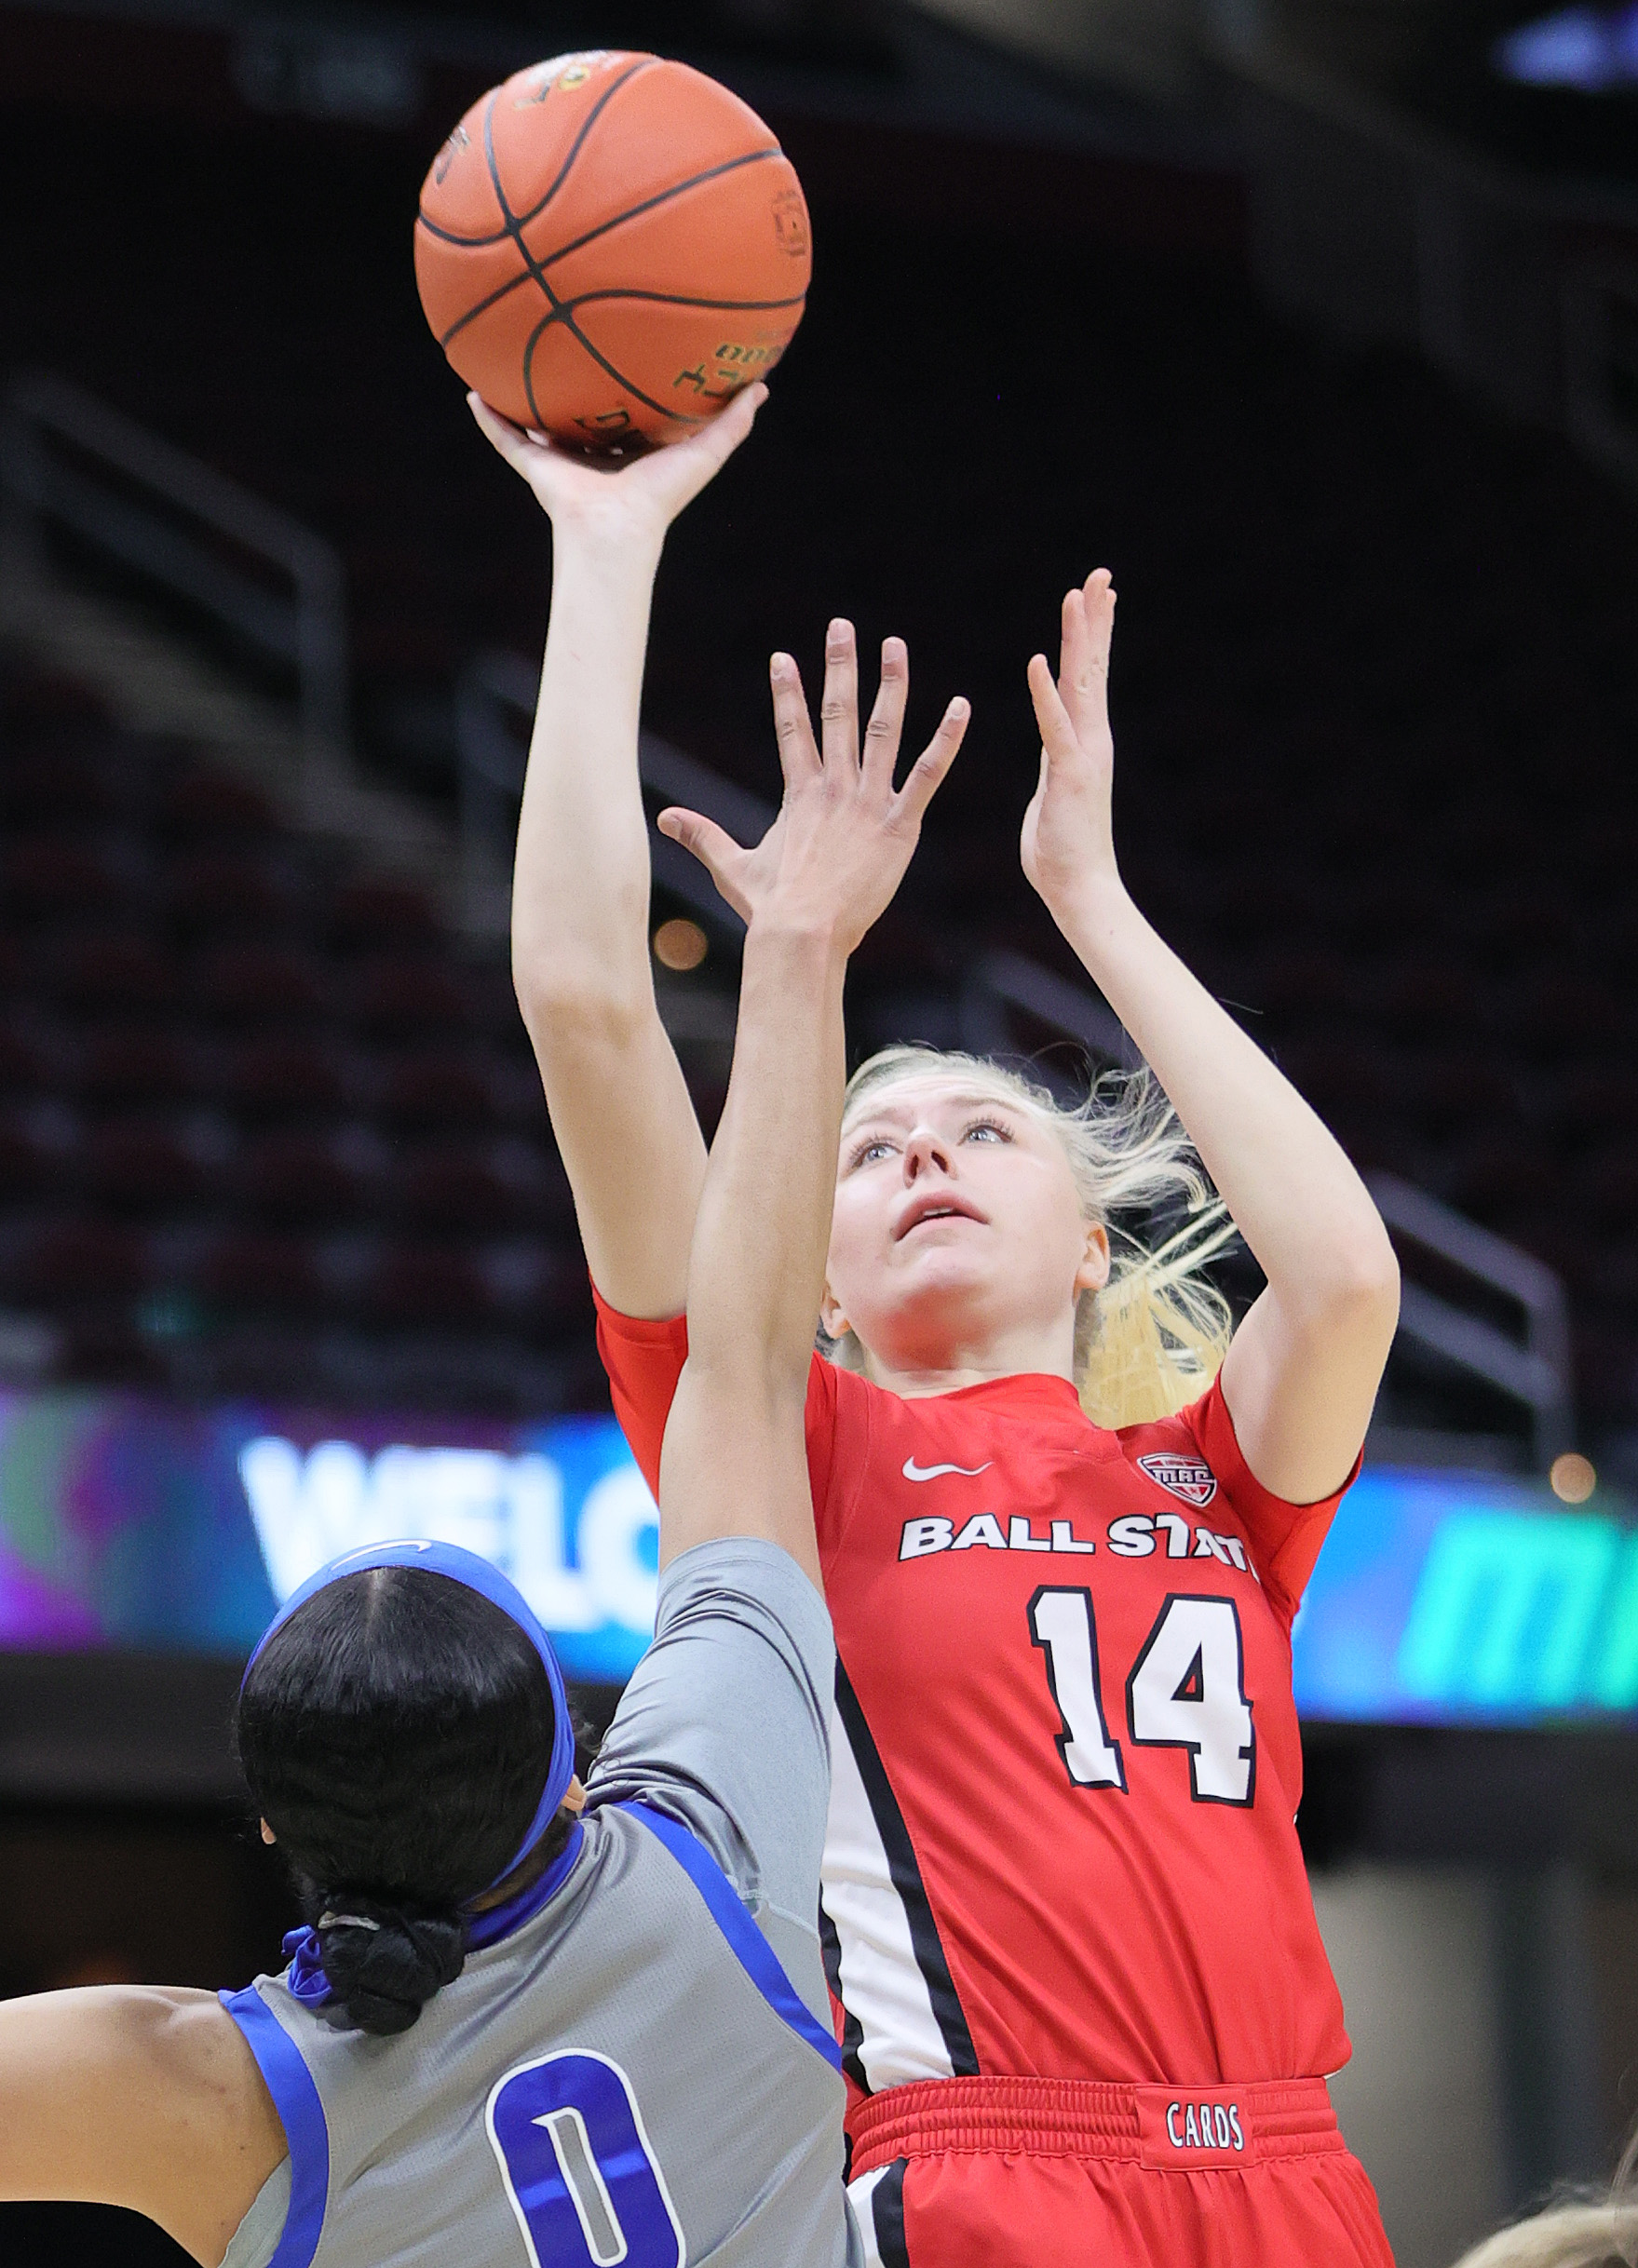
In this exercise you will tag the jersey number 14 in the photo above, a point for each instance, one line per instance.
(1186, 1690)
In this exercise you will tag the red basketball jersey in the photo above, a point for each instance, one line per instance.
(1066, 1763)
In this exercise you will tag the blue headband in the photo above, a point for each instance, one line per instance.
(489, 1583)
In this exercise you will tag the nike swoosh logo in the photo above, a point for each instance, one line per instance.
(933, 1472)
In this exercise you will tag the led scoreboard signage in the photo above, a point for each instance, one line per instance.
(1440, 1598)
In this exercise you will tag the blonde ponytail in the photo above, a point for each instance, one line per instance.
(1153, 1337)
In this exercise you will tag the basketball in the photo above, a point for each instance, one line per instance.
(609, 246)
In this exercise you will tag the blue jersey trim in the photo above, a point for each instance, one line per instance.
(301, 2114)
(746, 1942)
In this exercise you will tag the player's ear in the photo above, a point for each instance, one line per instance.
(1093, 1272)
(267, 1833)
(833, 1322)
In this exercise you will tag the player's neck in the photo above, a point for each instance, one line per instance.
(914, 1372)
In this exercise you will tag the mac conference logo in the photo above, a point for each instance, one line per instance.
(1195, 1482)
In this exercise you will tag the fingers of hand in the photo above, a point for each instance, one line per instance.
(1097, 609)
(727, 431)
(839, 705)
(1059, 742)
(799, 758)
(501, 433)
(886, 716)
(927, 774)
(713, 846)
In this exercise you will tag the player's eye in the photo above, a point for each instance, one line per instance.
(987, 1130)
(869, 1153)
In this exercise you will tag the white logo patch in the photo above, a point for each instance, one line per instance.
(935, 1472)
(1185, 1477)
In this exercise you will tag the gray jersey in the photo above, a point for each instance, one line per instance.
(638, 2071)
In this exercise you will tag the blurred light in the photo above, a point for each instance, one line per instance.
(1572, 1478)
(1593, 50)
(679, 944)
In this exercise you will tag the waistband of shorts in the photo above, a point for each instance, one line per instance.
(1168, 2125)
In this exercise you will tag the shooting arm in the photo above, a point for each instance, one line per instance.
(623, 1121)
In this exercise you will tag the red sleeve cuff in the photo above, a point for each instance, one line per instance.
(1285, 1538)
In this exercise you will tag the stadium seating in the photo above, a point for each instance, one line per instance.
(264, 1128)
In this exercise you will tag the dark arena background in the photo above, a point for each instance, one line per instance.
(1317, 321)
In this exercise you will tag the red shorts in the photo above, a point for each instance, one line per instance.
(1008, 2173)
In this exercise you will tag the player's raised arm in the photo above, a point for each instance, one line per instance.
(735, 1462)
(1302, 1375)
(619, 1109)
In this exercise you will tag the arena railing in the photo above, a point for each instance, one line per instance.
(70, 462)
(1533, 1371)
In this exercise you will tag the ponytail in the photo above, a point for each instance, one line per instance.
(383, 1961)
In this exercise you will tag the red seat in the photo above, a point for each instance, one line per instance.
(81, 1258)
(49, 878)
(301, 1177)
(264, 1274)
(287, 1075)
(115, 974)
(263, 984)
(430, 1287)
(207, 804)
(142, 1163)
(214, 892)
(376, 913)
(122, 1065)
(403, 996)
(37, 1150)
(444, 1088)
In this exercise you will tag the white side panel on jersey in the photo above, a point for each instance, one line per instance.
(882, 1985)
(860, 2194)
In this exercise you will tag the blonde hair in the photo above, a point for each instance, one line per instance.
(1581, 2233)
(1153, 1337)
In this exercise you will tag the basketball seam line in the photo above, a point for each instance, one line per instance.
(533, 213)
(578, 244)
(558, 314)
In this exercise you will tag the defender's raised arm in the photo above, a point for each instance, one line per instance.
(733, 1460)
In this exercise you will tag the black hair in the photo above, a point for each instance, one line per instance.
(395, 1734)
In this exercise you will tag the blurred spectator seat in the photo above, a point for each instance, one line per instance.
(379, 915)
(145, 1163)
(264, 1274)
(207, 805)
(54, 878)
(215, 893)
(448, 1087)
(82, 1257)
(301, 1177)
(116, 973)
(286, 1075)
(119, 1065)
(262, 984)
(430, 1287)
(397, 996)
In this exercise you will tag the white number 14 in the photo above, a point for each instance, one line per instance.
(1186, 1690)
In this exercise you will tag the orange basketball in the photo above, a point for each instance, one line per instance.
(610, 246)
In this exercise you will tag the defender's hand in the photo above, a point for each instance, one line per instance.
(833, 857)
(1068, 841)
(626, 495)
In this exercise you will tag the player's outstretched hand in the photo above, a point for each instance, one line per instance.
(1069, 840)
(630, 494)
(838, 849)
